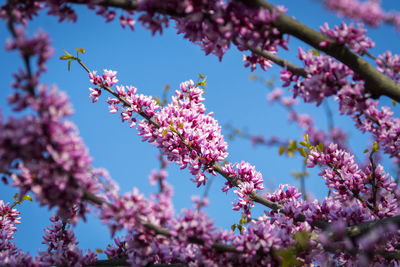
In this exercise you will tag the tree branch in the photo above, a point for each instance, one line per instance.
(278, 60)
(363, 228)
(220, 247)
(376, 83)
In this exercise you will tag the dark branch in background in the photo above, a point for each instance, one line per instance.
(122, 262)
(26, 58)
(280, 61)
(129, 5)
(161, 230)
(375, 82)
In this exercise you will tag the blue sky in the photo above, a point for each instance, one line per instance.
(149, 63)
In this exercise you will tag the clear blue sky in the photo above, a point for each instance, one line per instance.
(149, 63)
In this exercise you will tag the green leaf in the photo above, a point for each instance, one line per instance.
(302, 238)
(15, 197)
(292, 145)
(233, 227)
(66, 52)
(302, 152)
(157, 100)
(66, 57)
(315, 52)
(394, 103)
(165, 132)
(320, 147)
(69, 65)
(80, 50)
(27, 197)
(375, 147)
(201, 76)
(281, 150)
(253, 77)
(306, 138)
(180, 124)
(99, 250)
(288, 258)
(366, 150)
(303, 143)
(203, 83)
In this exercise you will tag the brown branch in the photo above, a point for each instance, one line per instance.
(278, 60)
(376, 83)
(363, 228)
(122, 262)
(131, 5)
(220, 247)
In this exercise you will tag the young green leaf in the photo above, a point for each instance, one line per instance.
(320, 147)
(281, 150)
(302, 152)
(27, 197)
(165, 132)
(66, 57)
(80, 50)
(375, 147)
(66, 52)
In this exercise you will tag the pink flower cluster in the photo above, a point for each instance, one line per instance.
(186, 134)
(22, 12)
(214, 25)
(370, 186)
(325, 77)
(42, 152)
(62, 246)
(390, 65)
(53, 162)
(347, 34)
(368, 116)
(60, 242)
(250, 181)
(329, 77)
(181, 130)
(369, 12)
